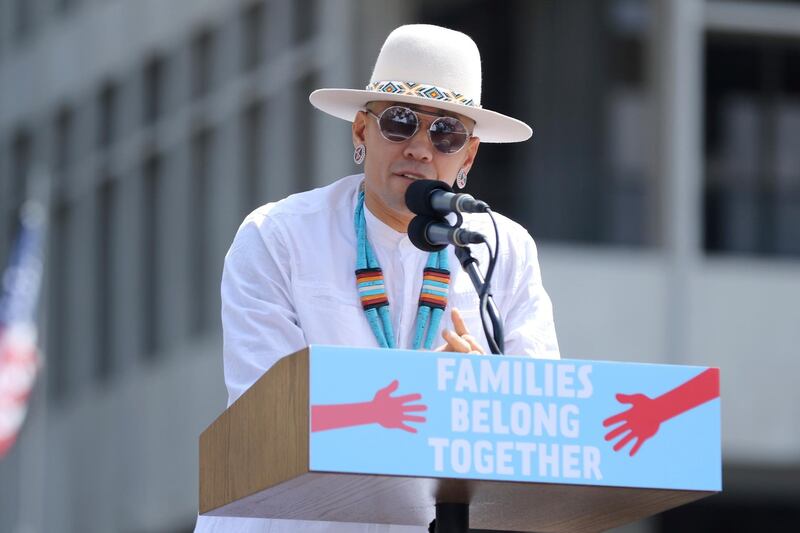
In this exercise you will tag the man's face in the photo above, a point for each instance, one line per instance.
(390, 167)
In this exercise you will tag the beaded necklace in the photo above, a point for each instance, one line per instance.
(372, 290)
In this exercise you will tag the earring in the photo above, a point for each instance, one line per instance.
(461, 178)
(359, 154)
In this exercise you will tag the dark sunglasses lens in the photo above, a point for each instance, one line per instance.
(448, 134)
(398, 123)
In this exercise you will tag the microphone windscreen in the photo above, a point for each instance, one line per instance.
(416, 233)
(418, 196)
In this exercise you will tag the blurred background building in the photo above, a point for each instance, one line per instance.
(662, 185)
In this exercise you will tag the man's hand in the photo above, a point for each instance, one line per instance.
(460, 340)
(392, 412)
(646, 414)
(640, 422)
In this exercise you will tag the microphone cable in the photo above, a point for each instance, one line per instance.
(495, 339)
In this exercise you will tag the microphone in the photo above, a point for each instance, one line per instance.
(431, 234)
(435, 198)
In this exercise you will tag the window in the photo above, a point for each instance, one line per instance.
(23, 11)
(107, 115)
(304, 24)
(65, 6)
(59, 338)
(252, 147)
(105, 278)
(202, 63)
(21, 154)
(304, 146)
(58, 356)
(253, 42)
(153, 90)
(64, 148)
(200, 225)
(151, 224)
(752, 108)
(574, 71)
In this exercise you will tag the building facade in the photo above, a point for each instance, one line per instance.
(662, 185)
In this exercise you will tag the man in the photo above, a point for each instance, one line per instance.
(335, 266)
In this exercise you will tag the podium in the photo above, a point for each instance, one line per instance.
(382, 436)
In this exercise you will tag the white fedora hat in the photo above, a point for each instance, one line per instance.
(430, 66)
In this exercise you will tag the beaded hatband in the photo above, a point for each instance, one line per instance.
(372, 290)
(422, 90)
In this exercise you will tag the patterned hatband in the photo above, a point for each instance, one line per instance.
(431, 92)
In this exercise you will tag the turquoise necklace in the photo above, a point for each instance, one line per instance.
(372, 290)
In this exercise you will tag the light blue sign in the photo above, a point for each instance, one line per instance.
(427, 414)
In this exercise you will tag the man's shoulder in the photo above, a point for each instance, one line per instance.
(324, 201)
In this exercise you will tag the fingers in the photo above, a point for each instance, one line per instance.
(391, 387)
(473, 343)
(466, 344)
(617, 432)
(456, 342)
(408, 428)
(636, 446)
(617, 418)
(629, 398)
(413, 418)
(459, 339)
(415, 408)
(621, 444)
(408, 398)
(458, 322)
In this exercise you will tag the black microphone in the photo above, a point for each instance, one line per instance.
(435, 198)
(431, 234)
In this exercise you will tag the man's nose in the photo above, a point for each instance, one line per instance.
(419, 146)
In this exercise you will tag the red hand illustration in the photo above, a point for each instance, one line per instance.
(390, 412)
(393, 412)
(646, 414)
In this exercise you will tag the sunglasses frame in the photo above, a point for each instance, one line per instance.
(416, 113)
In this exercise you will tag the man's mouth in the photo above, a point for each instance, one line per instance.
(410, 175)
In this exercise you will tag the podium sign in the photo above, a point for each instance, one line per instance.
(380, 436)
(514, 419)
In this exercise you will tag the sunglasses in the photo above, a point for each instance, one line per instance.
(397, 124)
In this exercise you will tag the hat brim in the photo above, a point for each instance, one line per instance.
(490, 126)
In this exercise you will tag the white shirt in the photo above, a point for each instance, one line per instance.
(289, 281)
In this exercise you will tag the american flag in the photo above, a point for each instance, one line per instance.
(19, 294)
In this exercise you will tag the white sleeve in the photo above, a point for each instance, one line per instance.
(259, 323)
(529, 326)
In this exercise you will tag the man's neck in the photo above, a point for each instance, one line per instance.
(394, 220)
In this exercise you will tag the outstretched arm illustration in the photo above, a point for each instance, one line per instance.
(390, 412)
(646, 414)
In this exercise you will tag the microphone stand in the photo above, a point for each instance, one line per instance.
(470, 266)
(454, 517)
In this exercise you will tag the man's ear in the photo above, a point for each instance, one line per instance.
(472, 152)
(360, 129)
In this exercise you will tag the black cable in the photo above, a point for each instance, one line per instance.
(483, 304)
(495, 339)
(492, 256)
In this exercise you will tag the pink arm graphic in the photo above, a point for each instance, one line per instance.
(646, 414)
(390, 412)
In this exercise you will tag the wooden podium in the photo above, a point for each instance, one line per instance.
(305, 442)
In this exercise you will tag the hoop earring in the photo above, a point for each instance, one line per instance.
(359, 154)
(461, 178)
